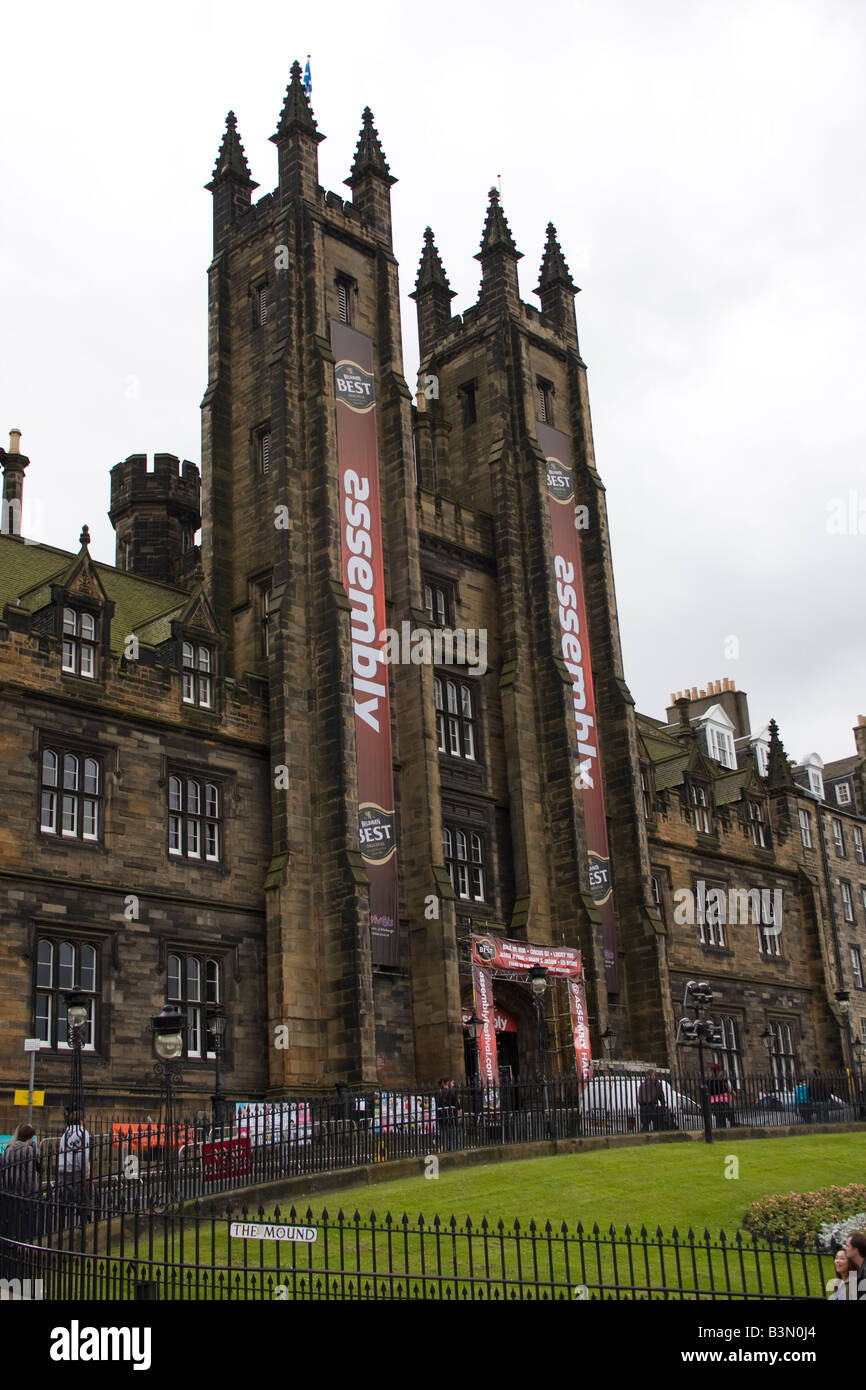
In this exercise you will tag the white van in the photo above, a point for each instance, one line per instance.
(611, 1103)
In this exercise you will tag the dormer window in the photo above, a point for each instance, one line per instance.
(762, 754)
(699, 803)
(843, 794)
(79, 643)
(814, 768)
(758, 827)
(719, 736)
(197, 675)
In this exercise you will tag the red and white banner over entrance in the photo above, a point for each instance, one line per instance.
(491, 953)
(574, 639)
(364, 580)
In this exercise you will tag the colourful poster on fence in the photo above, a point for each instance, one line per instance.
(364, 581)
(574, 642)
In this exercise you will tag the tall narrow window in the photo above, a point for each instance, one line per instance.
(265, 589)
(545, 401)
(783, 1057)
(262, 304)
(194, 819)
(197, 675)
(455, 718)
(70, 794)
(63, 965)
(756, 820)
(194, 983)
(700, 811)
(727, 1055)
(838, 838)
(436, 604)
(847, 900)
(79, 643)
(655, 885)
(858, 845)
(467, 401)
(344, 298)
(463, 852)
(856, 967)
(645, 792)
(805, 828)
(265, 452)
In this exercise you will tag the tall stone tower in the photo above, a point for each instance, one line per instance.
(413, 804)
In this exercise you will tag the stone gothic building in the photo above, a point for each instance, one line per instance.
(218, 791)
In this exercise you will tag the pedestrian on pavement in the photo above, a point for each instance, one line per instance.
(721, 1097)
(73, 1170)
(650, 1103)
(841, 1284)
(20, 1182)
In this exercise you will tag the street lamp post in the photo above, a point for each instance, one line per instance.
(699, 1032)
(168, 1030)
(216, 1024)
(474, 1027)
(77, 1013)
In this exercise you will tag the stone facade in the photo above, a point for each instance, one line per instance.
(230, 667)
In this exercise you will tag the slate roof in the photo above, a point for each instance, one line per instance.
(142, 606)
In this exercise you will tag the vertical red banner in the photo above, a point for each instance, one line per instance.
(574, 640)
(482, 989)
(364, 581)
(580, 1027)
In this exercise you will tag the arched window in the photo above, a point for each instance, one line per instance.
(79, 643)
(185, 975)
(77, 807)
(194, 819)
(62, 965)
(464, 860)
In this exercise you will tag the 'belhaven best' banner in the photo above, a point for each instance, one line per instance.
(574, 639)
(491, 953)
(364, 580)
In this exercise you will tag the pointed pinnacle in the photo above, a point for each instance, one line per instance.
(430, 269)
(297, 113)
(497, 233)
(369, 156)
(84, 538)
(231, 162)
(554, 270)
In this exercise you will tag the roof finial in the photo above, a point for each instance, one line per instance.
(431, 270)
(231, 160)
(369, 156)
(554, 270)
(84, 538)
(497, 233)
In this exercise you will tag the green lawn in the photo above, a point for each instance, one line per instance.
(662, 1185)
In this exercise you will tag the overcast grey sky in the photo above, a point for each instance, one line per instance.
(703, 165)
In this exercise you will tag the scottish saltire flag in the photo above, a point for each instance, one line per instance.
(308, 81)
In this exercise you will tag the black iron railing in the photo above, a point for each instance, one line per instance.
(243, 1255)
(139, 1166)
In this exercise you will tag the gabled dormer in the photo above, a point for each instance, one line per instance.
(810, 773)
(198, 653)
(79, 616)
(760, 747)
(716, 732)
(697, 791)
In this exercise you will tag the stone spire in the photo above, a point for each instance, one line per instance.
(498, 257)
(556, 289)
(432, 295)
(297, 139)
(370, 178)
(231, 184)
(231, 161)
(779, 775)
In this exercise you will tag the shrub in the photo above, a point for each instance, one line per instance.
(800, 1215)
(834, 1234)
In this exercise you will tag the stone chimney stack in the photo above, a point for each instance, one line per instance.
(13, 463)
